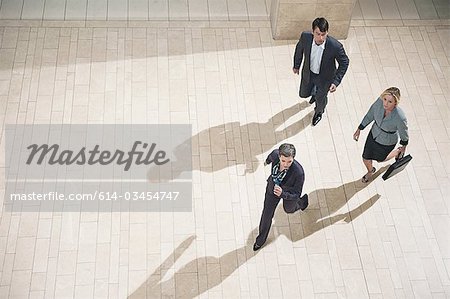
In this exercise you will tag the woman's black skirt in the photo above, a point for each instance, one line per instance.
(375, 151)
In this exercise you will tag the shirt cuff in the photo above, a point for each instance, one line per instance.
(361, 127)
(402, 142)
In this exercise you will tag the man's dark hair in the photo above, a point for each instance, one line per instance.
(320, 23)
(287, 150)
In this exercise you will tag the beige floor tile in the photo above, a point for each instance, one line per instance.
(274, 288)
(218, 10)
(422, 290)
(355, 286)
(159, 10)
(66, 263)
(84, 292)
(7, 270)
(85, 274)
(24, 253)
(20, 283)
(198, 9)
(347, 250)
(289, 277)
(101, 289)
(322, 278)
(37, 282)
(237, 10)
(370, 9)
(178, 9)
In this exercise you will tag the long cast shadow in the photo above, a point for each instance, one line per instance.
(186, 281)
(230, 144)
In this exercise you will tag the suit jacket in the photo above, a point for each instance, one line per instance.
(386, 130)
(292, 183)
(328, 74)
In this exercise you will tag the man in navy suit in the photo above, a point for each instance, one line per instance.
(319, 73)
(285, 182)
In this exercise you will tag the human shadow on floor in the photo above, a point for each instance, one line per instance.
(187, 282)
(230, 144)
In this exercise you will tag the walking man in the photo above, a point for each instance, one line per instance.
(319, 73)
(285, 182)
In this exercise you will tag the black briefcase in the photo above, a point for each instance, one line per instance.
(396, 167)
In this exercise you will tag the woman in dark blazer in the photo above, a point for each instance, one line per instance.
(389, 123)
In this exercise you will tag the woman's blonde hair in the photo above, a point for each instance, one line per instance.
(394, 92)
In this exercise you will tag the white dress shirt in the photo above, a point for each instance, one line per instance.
(316, 57)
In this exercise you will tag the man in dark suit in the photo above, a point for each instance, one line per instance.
(285, 182)
(319, 73)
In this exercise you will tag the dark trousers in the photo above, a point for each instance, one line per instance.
(320, 91)
(270, 204)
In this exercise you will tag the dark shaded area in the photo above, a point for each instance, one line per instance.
(231, 144)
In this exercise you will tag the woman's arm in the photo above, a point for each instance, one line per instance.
(402, 127)
(370, 115)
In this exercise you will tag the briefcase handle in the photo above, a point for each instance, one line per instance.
(400, 156)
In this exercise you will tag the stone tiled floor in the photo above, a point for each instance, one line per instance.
(203, 9)
(401, 9)
(134, 9)
(381, 240)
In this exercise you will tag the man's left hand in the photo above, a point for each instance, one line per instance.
(333, 88)
(277, 190)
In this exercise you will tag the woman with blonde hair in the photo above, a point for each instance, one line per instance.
(389, 123)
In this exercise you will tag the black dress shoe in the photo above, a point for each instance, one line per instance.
(305, 202)
(312, 100)
(256, 247)
(316, 119)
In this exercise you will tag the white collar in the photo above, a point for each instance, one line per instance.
(320, 46)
